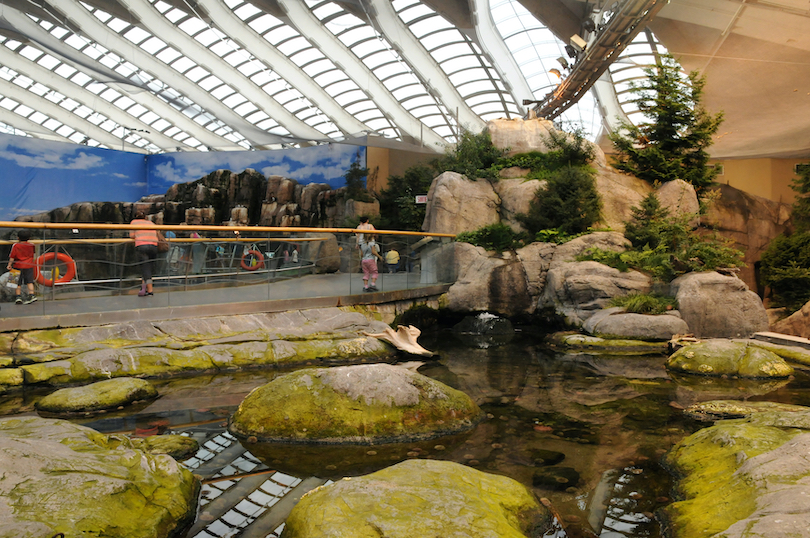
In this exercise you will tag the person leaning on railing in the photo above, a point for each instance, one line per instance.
(146, 241)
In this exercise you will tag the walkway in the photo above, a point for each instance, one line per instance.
(311, 291)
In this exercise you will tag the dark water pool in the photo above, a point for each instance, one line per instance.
(586, 433)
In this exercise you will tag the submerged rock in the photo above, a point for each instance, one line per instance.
(730, 409)
(100, 396)
(374, 403)
(59, 477)
(724, 357)
(572, 340)
(555, 478)
(179, 447)
(419, 498)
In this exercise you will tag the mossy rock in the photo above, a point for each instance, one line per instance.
(727, 358)
(11, 377)
(101, 396)
(179, 447)
(60, 477)
(363, 404)
(733, 409)
(425, 498)
(574, 340)
(740, 479)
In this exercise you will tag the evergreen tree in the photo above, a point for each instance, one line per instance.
(801, 205)
(355, 184)
(646, 222)
(398, 207)
(569, 203)
(673, 144)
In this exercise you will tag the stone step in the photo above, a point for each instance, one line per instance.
(782, 339)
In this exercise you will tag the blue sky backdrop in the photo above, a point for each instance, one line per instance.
(41, 175)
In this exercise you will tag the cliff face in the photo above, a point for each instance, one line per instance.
(224, 197)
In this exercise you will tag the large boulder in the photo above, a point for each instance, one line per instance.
(363, 404)
(324, 254)
(616, 322)
(619, 193)
(419, 498)
(743, 478)
(577, 290)
(60, 477)
(457, 204)
(100, 396)
(680, 198)
(516, 195)
(487, 281)
(796, 324)
(718, 306)
(727, 358)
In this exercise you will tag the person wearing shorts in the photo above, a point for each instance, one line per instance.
(22, 258)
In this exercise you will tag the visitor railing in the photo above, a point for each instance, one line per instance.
(86, 261)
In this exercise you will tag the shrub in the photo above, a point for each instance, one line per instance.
(355, 186)
(569, 149)
(398, 207)
(645, 303)
(569, 203)
(473, 155)
(497, 237)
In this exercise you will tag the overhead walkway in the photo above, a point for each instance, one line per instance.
(221, 285)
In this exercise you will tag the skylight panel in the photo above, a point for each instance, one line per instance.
(114, 24)
(38, 117)
(292, 46)
(282, 33)
(320, 68)
(246, 11)
(196, 73)
(137, 35)
(208, 36)
(222, 91)
(418, 10)
(234, 100)
(209, 83)
(250, 68)
(8, 104)
(174, 15)
(168, 55)
(24, 110)
(192, 26)
(306, 56)
(30, 53)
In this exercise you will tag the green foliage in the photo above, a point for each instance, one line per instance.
(645, 303)
(801, 206)
(355, 184)
(569, 149)
(666, 246)
(785, 267)
(540, 164)
(497, 237)
(398, 201)
(673, 144)
(569, 203)
(473, 156)
(553, 236)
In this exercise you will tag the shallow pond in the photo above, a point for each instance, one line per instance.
(584, 432)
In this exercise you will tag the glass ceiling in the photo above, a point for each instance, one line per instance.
(158, 76)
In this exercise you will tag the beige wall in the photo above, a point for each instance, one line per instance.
(391, 162)
(769, 178)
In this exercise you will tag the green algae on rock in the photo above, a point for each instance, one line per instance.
(731, 409)
(179, 447)
(361, 404)
(574, 340)
(60, 477)
(719, 357)
(419, 498)
(740, 479)
(100, 396)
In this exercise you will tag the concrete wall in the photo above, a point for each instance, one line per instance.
(391, 162)
(769, 178)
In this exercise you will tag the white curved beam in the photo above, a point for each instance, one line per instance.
(30, 127)
(420, 60)
(187, 45)
(301, 18)
(124, 48)
(60, 114)
(259, 47)
(490, 40)
(50, 79)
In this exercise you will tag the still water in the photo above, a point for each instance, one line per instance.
(586, 433)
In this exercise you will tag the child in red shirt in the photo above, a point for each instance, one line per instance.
(22, 258)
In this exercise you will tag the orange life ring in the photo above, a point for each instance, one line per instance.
(70, 268)
(250, 257)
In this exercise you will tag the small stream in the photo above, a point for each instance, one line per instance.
(586, 433)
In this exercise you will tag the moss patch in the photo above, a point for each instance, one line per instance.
(103, 395)
(724, 357)
(574, 340)
(381, 403)
(419, 498)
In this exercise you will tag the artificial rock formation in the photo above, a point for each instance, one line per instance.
(721, 357)
(419, 498)
(618, 323)
(100, 396)
(362, 404)
(60, 477)
(718, 306)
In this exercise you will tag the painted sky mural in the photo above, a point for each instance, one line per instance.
(41, 175)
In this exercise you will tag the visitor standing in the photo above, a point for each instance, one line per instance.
(364, 225)
(146, 241)
(370, 253)
(392, 260)
(22, 259)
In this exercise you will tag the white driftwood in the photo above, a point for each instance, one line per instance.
(403, 339)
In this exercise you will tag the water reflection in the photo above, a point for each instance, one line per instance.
(584, 432)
